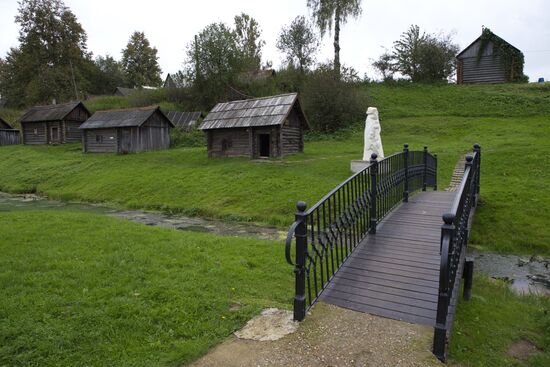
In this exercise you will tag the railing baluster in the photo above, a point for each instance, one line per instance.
(374, 192)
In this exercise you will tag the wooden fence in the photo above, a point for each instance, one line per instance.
(9, 137)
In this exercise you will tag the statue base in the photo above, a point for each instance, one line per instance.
(359, 165)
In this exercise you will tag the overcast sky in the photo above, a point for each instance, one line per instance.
(170, 25)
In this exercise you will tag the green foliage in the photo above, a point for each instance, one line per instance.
(107, 75)
(140, 62)
(190, 139)
(247, 35)
(81, 289)
(495, 318)
(421, 57)
(330, 103)
(51, 61)
(511, 58)
(299, 43)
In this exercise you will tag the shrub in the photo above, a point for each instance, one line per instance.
(192, 138)
(329, 102)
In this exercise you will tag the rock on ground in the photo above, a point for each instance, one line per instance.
(332, 336)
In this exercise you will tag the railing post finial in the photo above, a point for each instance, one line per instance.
(299, 269)
(373, 192)
(406, 169)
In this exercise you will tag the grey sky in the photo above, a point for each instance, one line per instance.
(170, 26)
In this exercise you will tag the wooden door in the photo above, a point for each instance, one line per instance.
(125, 140)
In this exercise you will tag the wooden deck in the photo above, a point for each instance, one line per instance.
(395, 273)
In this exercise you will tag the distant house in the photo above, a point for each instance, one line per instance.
(257, 128)
(184, 120)
(8, 135)
(487, 65)
(126, 131)
(54, 124)
(124, 92)
(169, 82)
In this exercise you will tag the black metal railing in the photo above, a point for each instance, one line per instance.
(454, 239)
(329, 231)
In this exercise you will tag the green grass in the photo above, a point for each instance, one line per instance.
(82, 289)
(495, 318)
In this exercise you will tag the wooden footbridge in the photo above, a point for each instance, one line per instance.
(381, 243)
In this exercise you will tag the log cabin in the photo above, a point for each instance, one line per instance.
(126, 131)
(54, 124)
(257, 128)
(8, 135)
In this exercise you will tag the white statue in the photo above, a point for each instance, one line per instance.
(373, 142)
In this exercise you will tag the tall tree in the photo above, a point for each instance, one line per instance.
(299, 42)
(107, 74)
(247, 35)
(51, 61)
(140, 62)
(329, 13)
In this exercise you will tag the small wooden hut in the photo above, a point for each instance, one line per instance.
(257, 128)
(487, 65)
(124, 92)
(54, 124)
(126, 131)
(184, 120)
(8, 135)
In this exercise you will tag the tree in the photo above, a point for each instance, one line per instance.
(51, 61)
(108, 74)
(140, 62)
(299, 42)
(247, 36)
(327, 13)
(424, 57)
(385, 66)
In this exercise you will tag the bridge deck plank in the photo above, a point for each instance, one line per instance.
(395, 273)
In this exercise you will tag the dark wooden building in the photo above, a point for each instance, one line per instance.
(257, 128)
(184, 120)
(54, 124)
(8, 135)
(485, 66)
(126, 131)
(169, 82)
(124, 92)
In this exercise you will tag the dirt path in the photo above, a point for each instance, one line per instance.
(332, 336)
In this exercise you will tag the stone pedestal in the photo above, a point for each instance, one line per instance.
(359, 165)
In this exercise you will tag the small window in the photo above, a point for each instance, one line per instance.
(226, 144)
(99, 138)
(35, 131)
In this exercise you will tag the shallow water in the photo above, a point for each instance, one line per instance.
(10, 203)
(525, 274)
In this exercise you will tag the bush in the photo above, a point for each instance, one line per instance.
(192, 138)
(329, 102)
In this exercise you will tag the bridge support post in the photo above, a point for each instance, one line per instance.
(373, 192)
(468, 276)
(299, 269)
(435, 174)
(406, 168)
(425, 173)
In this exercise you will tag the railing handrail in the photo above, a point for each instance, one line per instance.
(350, 178)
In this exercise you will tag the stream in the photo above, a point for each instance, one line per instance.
(525, 274)
(10, 203)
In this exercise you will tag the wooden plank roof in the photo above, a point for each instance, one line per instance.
(54, 112)
(124, 91)
(4, 125)
(266, 111)
(184, 120)
(133, 117)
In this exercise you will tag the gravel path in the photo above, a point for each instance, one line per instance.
(332, 336)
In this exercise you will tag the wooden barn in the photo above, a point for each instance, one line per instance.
(54, 124)
(257, 128)
(124, 92)
(8, 135)
(126, 131)
(487, 66)
(184, 120)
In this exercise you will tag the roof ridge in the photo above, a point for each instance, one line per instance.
(259, 98)
(146, 108)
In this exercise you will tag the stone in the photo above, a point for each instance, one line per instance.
(271, 324)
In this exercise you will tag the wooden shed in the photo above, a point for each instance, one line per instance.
(54, 124)
(124, 92)
(487, 66)
(184, 120)
(126, 131)
(8, 135)
(257, 128)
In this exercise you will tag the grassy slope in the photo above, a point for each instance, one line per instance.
(83, 289)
